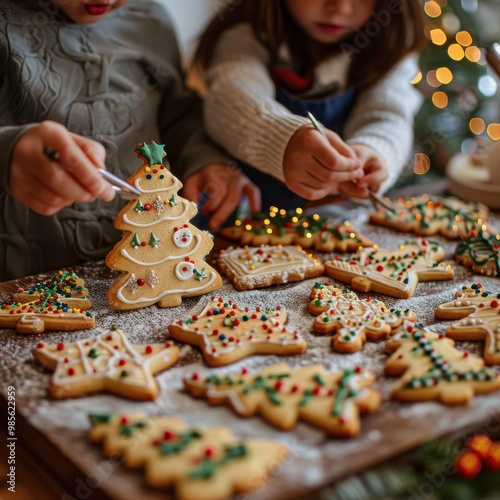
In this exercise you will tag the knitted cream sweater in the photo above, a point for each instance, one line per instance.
(242, 115)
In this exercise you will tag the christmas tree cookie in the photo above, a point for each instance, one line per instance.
(428, 215)
(258, 267)
(432, 368)
(353, 320)
(226, 333)
(105, 363)
(281, 227)
(479, 313)
(161, 255)
(65, 286)
(197, 462)
(481, 252)
(394, 272)
(331, 401)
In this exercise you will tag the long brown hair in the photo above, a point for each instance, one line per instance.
(395, 29)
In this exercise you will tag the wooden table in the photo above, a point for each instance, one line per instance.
(54, 432)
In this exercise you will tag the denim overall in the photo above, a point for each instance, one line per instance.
(331, 112)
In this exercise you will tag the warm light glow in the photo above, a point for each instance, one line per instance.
(375, 247)
(456, 52)
(282, 212)
(464, 38)
(440, 100)
(274, 209)
(458, 218)
(316, 217)
(408, 204)
(432, 9)
(455, 227)
(444, 75)
(421, 164)
(473, 54)
(493, 131)
(484, 227)
(417, 78)
(438, 36)
(272, 214)
(430, 205)
(248, 227)
(418, 217)
(432, 79)
(299, 211)
(269, 230)
(477, 126)
(295, 219)
(267, 222)
(347, 223)
(237, 223)
(305, 224)
(352, 235)
(308, 235)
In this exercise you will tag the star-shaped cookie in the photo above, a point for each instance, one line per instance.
(479, 313)
(226, 333)
(353, 320)
(105, 363)
(394, 272)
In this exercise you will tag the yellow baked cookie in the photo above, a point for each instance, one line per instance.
(107, 363)
(431, 368)
(331, 401)
(226, 333)
(197, 462)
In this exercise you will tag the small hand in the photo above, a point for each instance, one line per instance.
(46, 186)
(375, 172)
(225, 186)
(314, 165)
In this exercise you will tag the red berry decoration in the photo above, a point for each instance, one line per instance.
(148, 207)
(492, 461)
(468, 464)
(480, 444)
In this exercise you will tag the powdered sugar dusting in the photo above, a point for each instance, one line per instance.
(313, 460)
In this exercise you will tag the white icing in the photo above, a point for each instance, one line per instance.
(182, 274)
(182, 237)
(157, 221)
(125, 253)
(137, 185)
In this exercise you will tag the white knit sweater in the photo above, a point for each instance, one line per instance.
(241, 112)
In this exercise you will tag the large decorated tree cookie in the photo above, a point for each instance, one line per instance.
(281, 227)
(331, 401)
(427, 215)
(107, 363)
(161, 255)
(64, 286)
(431, 368)
(351, 319)
(197, 462)
(479, 313)
(226, 333)
(394, 272)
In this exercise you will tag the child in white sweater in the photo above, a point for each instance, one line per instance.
(349, 62)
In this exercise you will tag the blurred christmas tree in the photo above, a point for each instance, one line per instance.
(457, 83)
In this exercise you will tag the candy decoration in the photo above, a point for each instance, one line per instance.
(158, 265)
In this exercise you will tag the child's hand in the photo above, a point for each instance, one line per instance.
(375, 172)
(313, 166)
(46, 186)
(225, 186)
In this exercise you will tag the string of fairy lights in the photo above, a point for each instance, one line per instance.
(444, 29)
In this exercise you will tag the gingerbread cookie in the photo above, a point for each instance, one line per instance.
(258, 267)
(199, 463)
(478, 311)
(105, 363)
(331, 401)
(433, 369)
(65, 286)
(353, 320)
(279, 227)
(47, 314)
(161, 255)
(225, 333)
(428, 215)
(481, 253)
(394, 272)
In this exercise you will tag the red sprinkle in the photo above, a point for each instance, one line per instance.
(149, 349)
(60, 346)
